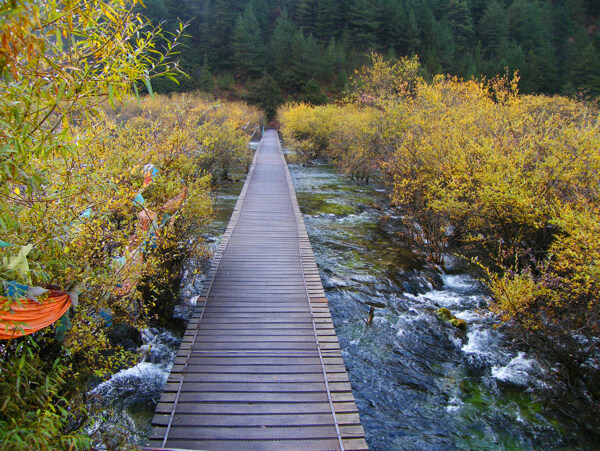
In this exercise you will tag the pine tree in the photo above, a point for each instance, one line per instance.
(303, 63)
(412, 33)
(247, 44)
(525, 23)
(205, 80)
(513, 58)
(280, 45)
(362, 19)
(493, 30)
(459, 18)
(306, 16)
(328, 20)
(444, 47)
(427, 25)
(328, 62)
(585, 69)
(266, 95)
(262, 12)
(386, 12)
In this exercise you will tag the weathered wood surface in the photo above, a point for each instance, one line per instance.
(260, 367)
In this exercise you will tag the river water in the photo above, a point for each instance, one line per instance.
(419, 382)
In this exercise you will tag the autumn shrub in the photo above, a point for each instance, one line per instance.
(41, 408)
(356, 144)
(309, 129)
(122, 238)
(515, 185)
(383, 81)
(510, 181)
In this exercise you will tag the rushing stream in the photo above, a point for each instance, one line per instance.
(419, 382)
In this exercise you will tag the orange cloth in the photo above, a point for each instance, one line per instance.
(176, 202)
(31, 316)
(146, 216)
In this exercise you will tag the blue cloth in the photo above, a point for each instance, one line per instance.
(139, 199)
(15, 290)
(107, 317)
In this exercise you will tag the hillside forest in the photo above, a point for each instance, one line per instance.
(271, 50)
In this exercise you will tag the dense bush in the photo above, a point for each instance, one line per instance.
(510, 181)
(345, 134)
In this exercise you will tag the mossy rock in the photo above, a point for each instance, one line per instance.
(338, 209)
(444, 314)
(459, 323)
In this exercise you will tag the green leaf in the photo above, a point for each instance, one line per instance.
(16, 112)
(137, 95)
(63, 327)
(172, 78)
(61, 91)
(111, 96)
(59, 43)
(149, 86)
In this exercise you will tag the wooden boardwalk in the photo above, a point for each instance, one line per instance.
(260, 367)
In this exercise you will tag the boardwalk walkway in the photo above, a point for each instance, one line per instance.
(260, 367)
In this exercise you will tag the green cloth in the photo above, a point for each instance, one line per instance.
(20, 263)
(63, 326)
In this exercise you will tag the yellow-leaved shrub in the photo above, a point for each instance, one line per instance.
(511, 181)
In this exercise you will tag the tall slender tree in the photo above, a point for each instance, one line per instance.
(306, 15)
(248, 45)
(280, 45)
(362, 19)
(493, 29)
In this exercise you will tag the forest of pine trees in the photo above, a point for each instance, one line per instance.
(308, 48)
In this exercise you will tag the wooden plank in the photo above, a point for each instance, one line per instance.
(253, 433)
(256, 445)
(267, 420)
(241, 378)
(355, 444)
(269, 386)
(232, 408)
(255, 397)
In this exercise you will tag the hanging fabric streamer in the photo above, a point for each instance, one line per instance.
(20, 263)
(150, 172)
(139, 200)
(26, 316)
(15, 290)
